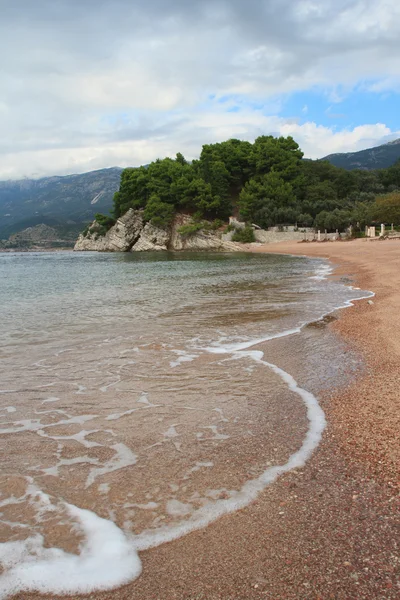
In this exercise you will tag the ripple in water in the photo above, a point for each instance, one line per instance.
(137, 404)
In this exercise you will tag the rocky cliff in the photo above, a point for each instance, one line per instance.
(131, 234)
(120, 238)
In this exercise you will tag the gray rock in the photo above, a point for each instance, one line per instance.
(204, 241)
(126, 231)
(120, 238)
(200, 240)
(152, 238)
(131, 234)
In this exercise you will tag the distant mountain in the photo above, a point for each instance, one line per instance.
(65, 203)
(40, 237)
(379, 157)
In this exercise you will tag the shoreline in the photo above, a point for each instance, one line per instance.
(368, 430)
(26, 250)
(326, 530)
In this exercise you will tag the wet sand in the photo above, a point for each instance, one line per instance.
(367, 415)
(331, 529)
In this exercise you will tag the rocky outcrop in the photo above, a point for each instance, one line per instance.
(152, 238)
(91, 240)
(204, 241)
(200, 240)
(120, 238)
(131, 234)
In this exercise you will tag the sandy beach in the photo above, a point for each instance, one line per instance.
(368, 414)
(329, 530)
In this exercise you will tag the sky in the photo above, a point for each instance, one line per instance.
(88, 84)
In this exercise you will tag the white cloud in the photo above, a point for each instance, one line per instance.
(94, 83)
(190, 131)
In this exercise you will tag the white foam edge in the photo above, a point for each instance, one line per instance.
(183, 356)
(238, 346)
(109, 558)
(106, 560)
(252, 488)
(323, 271)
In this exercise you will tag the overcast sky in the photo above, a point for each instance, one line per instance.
(87, 84)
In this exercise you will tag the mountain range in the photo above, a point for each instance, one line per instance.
(64, 203)
(380, 157)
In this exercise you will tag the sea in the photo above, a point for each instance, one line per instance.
(145, 395)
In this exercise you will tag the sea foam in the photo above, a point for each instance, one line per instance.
(106, 560)
(109, 557)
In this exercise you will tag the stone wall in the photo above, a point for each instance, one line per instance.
(271, 237)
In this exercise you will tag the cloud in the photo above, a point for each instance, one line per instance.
(91, 83)
(131, 146)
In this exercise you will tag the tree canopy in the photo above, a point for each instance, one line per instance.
(266, 183)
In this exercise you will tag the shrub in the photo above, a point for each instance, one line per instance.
(104, 221)
(216, 224)
(97, 231)
(245, 235)
(190, 229)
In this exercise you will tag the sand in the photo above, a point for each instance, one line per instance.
(368, 414)
(330, 530)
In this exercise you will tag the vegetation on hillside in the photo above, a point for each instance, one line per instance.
(66, 203)
(266, 183)
(379, 157)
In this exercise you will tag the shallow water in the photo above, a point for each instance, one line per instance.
(140, 399)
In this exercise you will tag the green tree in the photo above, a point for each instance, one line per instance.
(245, 235)
(390, 178)
(235, 157)
(304, 220)
(368, 181)
(269, 181)
(267, 200)
(104, 220)
(159, 213)
(282, 155)
(361, 215)
(386, 209)
(133, 191)
(181, 159)
(336, 219)
(197, 196)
